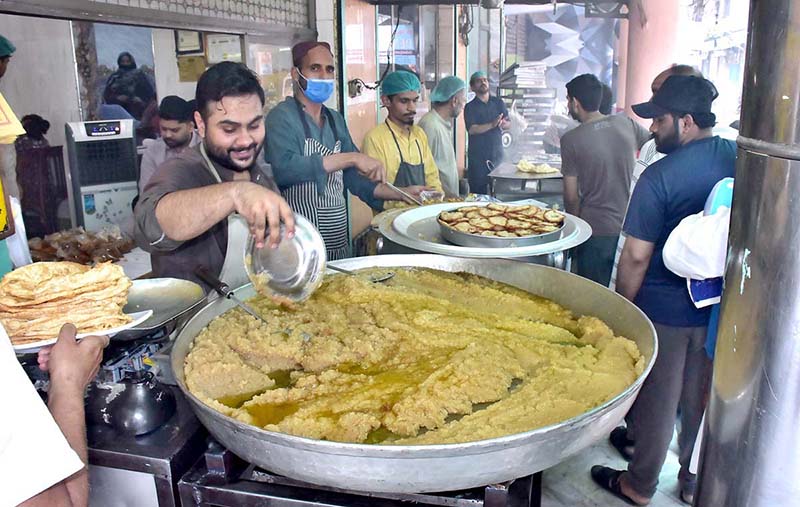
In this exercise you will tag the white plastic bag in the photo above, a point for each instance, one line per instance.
(17, 243)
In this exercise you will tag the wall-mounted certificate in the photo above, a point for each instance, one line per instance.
(188, 42)
(223, 48)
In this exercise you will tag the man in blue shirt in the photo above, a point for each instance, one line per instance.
(669, 191)
(486, 117)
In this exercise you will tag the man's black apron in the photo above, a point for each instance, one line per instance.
(408, 174)
(327, 211)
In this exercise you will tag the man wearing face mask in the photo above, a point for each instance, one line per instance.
(197, 208)
(313, 157)
(447, 102)
(669, 190)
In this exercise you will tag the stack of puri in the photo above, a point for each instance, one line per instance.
(502, 220)
(37, 299)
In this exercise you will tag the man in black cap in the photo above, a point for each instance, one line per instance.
(177, 133)
(670, 190)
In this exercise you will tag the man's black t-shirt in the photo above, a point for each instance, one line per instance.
(489, 145)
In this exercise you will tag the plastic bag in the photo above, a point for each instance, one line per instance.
(17, 243)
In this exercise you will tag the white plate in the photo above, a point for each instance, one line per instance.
(137, 318)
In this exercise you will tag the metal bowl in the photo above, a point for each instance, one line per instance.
(475, 240)
(294, 269)
(420, 468)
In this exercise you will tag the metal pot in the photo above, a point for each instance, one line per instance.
(408, 469)
(136, 405)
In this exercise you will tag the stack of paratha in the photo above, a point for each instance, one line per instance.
(37, 299)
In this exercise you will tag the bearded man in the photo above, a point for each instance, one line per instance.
(669, 190)
(176, 126)
(205, 199)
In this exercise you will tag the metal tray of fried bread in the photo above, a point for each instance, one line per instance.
(461, 238)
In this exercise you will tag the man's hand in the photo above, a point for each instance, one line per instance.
(262, 208)
(498, 121)
(505, 123)
(370, 168)
(415, 190)
(72, 364)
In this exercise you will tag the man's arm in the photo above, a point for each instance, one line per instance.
(475, 128)
(482, 128)
(72, 365)
(186, 214)
(633, 265)
(431, 169)
(147, 168)
(642, 134)
(572, 201)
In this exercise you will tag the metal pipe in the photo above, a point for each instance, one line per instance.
(751, 449)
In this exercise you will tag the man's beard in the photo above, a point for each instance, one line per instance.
(573, 114)
(172, 143)
(671, 142)
(222, 156)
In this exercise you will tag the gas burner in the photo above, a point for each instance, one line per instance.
(223, 479)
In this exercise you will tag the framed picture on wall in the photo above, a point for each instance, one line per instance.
(223, 48)
(188, 42)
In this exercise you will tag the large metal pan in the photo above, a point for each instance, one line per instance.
(408, 469)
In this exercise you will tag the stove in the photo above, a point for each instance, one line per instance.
(222, 479)
(144, 471)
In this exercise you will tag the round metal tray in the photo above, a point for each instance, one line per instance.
(419, 229)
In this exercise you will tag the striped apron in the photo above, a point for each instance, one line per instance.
(327, 211)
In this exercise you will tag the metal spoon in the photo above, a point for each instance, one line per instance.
(373, 279)
(404, 194)
(223, 290)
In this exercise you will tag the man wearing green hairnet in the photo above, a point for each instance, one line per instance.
(398, 143)
(486, 117)
(8, 155)
(6, 50)
(447, 102)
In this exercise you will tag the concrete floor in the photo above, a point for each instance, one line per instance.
(569, 484)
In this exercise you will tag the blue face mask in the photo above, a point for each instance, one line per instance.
(317, 90)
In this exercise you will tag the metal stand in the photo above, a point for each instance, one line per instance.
(222, 479)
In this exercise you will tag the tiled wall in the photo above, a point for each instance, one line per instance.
(279, 12)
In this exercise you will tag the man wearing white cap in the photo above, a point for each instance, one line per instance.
(447, 102)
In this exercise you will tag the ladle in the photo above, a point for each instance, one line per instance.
(373, 279)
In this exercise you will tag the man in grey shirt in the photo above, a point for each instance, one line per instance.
(447, 102)
(597, 162)
(181, 215)
(177, 135)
